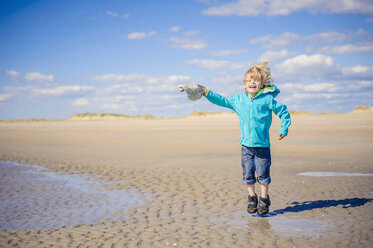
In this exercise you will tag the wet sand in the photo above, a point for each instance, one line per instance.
(190, 171)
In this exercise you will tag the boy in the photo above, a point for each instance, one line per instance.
(254, 109)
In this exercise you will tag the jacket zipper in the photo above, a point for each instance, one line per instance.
(251, 123)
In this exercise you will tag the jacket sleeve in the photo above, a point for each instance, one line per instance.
(220, 100)
(282, 111)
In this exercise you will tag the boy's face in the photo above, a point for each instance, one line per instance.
(252, 85)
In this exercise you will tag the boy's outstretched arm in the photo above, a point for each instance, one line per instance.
(218, 99)
(282, 111)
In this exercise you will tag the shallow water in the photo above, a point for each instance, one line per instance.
(297, 225)
(31, 198)
(281, 225)
(333, 174)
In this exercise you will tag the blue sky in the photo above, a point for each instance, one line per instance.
(60, 58)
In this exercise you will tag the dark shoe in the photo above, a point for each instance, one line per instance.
(263, 206)
(252, 204)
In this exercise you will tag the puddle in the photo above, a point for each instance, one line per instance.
(281, 225)
(290, 225)
(31, 198)
(333, 174)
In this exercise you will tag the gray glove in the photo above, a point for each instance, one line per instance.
(194, 91)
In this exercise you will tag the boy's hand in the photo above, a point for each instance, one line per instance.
(281, 136)
(204, 89)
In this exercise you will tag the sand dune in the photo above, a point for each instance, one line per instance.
(190, 170)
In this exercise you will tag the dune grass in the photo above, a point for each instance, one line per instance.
(98, 116)
(364, 108)
(206, 113)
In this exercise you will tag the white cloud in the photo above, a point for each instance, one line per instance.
(286, 7)
(327, 36)
(178, 79)
(125, 16)
(162, 88)
(5, 97)
(290, 87)
(304, 96)
(12, 73)
(124, 88)
(80, 102)
(137, 83)
(229, 52)
(133, 78)
(192, 32)
(228, 79)
(213, 65)
(115, 101)
(187, 44)
(276, 41)
(62, 90)
(111, 13)
(315, 87)
(18, 90)
(139, 94)
(317, 66)
(141, 35)
(365, 83)
(110, 106)
(138, 78)
(321, 87)
(207, 2)
(346, 49)
(358, 71)
(286, 39)
(38, 77)
(115, 98)
(239, 8)
(175, 29)
(272, 56)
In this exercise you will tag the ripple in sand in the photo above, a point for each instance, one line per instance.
(333, 174)
(31, 198)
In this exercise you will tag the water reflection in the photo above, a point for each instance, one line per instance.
(31, 198)
(281, 225)
(333, 174)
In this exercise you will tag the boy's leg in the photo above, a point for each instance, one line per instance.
(248, 167)
(248, 173)
(263, 164)
(251, 189)
(264, 190)
(252, 203)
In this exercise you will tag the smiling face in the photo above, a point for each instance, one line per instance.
(252, 85)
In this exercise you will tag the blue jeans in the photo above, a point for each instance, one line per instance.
(256, 159)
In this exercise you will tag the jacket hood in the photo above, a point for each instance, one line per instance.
(270, 89)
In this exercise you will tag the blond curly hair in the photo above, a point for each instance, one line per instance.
(260, 71)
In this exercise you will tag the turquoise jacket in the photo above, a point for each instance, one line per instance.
(255, 114)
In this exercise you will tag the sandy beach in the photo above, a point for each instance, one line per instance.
(187, 176)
